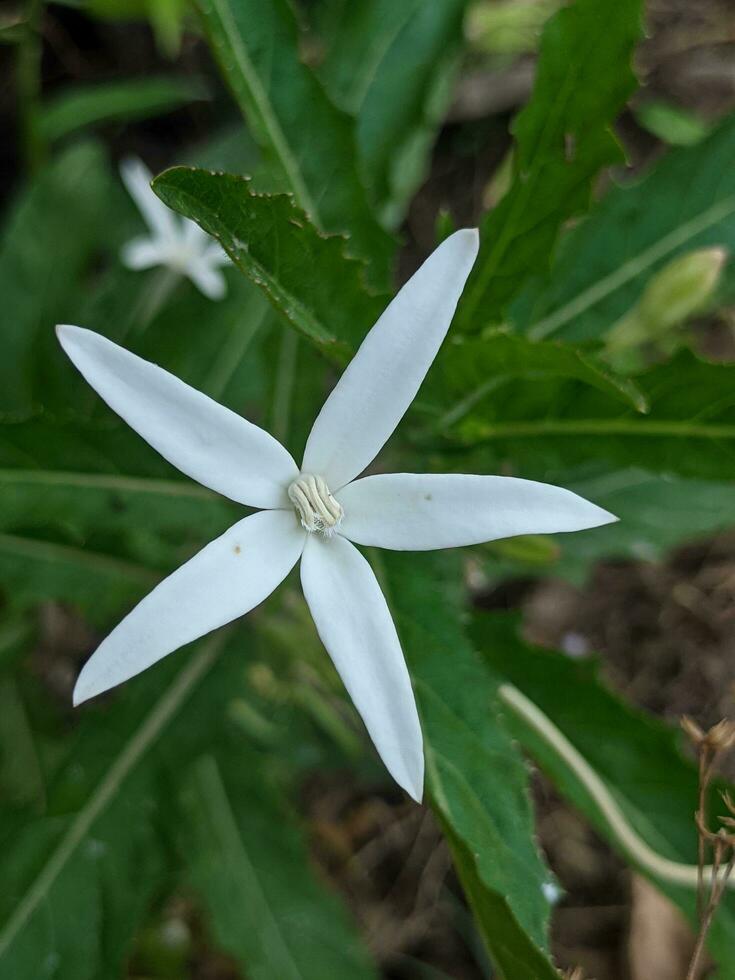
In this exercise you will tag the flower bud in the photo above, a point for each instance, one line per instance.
(681, 288)
(678, 291)
(529, 549)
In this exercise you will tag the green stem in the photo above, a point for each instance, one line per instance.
(233, 351)
(154, 298)
(617, 822)
(29, 87)
(285, 377)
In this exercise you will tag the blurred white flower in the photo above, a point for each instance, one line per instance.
(174, 242)
(551, 892)
(317, 512)
(575, 644)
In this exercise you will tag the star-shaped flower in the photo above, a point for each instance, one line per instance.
(317, 512)
(174, 242)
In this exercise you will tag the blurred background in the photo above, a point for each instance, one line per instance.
(134, 75)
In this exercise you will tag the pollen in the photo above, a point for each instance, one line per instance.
(315, 505)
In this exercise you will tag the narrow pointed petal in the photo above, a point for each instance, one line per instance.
(356, 627)
(162, 222)
(208, 279)
(216, 254)
(206, 441)
(224, 580)
(419, 512)
(142, 253)
(194, 236)
(382, 379)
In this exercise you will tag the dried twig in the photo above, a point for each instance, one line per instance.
(721, 843)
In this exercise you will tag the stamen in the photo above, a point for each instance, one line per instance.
(316, 506)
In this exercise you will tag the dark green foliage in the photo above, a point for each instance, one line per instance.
(563, 139)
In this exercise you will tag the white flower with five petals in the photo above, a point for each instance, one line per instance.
(174, 242)
(320, 511)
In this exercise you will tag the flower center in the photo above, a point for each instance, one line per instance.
(315, 505)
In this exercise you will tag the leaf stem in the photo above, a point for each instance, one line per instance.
(285, 377)
(628, 839)
(232, 352)
(28, 76)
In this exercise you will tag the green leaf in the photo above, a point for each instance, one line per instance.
(468, 372)
(603, 265)
(304, 273)
(33, 569)
(247, 860)
(391, 64)
(80, 106)
(636, 756)
(43, 259)
(563, 140)
(656, 513)
(95, 856)
(91, 515)
(537, 427)
(476, 781)
(125, 791)
(166, 17)
(305, 139)
(671, 123)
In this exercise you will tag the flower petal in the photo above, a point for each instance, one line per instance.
(216, 254)
(142, 253)
(160, 219)
(382, 379)
(224, 580)
(419, 512)
(208, 279)
(355, 626)
(205, 440)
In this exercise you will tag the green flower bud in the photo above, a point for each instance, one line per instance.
(682, 288)
(529, 549)
(679, 290)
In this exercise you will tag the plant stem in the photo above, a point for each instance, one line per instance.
(285, 376)
(29, 87)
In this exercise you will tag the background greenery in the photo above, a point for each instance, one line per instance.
(190, 785)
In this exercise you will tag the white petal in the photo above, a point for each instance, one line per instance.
(206, 441)
(225, 580)
(137, 178)
(355, 626)
(208, 279)
(216, 254)
(418, 512)
(382, 379)
(194, 236)
(142, 253)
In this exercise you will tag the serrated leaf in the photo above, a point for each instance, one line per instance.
(248, 863)
(476, 781)
(303, 136)
(391, 64)
(686, 202)
(563, 140)
(637, 757)
(81, 106)
(468, 372)
(304, 273)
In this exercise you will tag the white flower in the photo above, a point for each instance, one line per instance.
(320, 511)
(174, 242)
